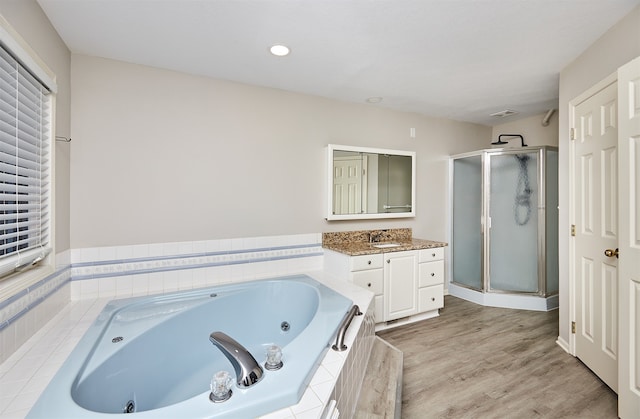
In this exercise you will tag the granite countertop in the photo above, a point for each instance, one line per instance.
(356, 248)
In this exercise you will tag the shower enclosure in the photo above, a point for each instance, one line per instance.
(505, 227)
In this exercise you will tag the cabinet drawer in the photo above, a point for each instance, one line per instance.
(428, 255)
(431, 273)
(360, 263)
(371, 280)
(430, 298)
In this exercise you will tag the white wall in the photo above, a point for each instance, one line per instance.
(531, 129)
(160, 156)
(615, 48)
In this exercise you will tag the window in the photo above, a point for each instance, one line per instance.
(25, 175)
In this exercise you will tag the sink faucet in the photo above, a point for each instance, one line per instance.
(374, 237)
(248, 371)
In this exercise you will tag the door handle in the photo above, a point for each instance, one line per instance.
(611, 253)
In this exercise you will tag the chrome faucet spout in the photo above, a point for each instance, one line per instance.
(248, 371)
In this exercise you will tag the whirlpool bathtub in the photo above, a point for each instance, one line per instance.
(152, 356)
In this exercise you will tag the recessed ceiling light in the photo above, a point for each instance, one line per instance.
(279, 50)
(376, 99)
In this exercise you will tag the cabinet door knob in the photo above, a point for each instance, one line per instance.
(369, 262)
(388, 260)
(433, 254)
(433, 274)
(433, 298)
(369, 285)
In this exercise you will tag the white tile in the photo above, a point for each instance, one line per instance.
(156, 284)
(237, 244)
(106, 287)
(323, 390)
(321, 376)
(89, 288)
(10, 388)
(279, 414)
(107, 253)
(20, 414)
(308, 401)
(185, 279)
(199, 278)
(333, 368)
(140, 251)
(140, 284)
(185, 248)
(22, 402)
(199, 246)
(170, 281)
(156, 249)
(76, 292)
(4, 403)
(314, 413)
(124, 252)
(170, 249)
(124, 286)
(76, 255)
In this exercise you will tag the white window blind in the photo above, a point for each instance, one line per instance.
(25, 146)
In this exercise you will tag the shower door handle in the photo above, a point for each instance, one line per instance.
(611, 253)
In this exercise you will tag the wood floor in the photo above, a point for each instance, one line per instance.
(484, 362)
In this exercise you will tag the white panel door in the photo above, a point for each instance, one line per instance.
(347, 186)
(629, 268)
(595, 172)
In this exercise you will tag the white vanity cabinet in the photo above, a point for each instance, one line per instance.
(407, 285)
(400, 284)
(365, 271)
(431, 279)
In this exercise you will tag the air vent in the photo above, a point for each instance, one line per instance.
(502, 114)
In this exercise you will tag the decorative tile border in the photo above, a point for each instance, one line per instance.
(19, 304)
(135, 266)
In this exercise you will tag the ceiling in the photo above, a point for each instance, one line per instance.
(456, 59)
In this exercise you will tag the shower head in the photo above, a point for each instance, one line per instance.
(509, 135)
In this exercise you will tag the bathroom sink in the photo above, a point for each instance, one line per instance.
(386, 245)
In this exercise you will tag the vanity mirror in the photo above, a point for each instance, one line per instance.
(368, 183)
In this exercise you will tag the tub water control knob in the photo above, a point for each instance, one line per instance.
(274, 358)
(221, 387)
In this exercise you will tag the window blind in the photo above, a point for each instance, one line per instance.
(25, 146)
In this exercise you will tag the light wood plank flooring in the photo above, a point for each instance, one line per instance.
(484, 362)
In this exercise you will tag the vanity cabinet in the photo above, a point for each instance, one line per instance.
(405, 283)
(366, 271)
(431, 279)
(400, 284)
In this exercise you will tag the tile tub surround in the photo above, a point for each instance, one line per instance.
(126, 271)
(355, 243)
(25, 312)
(25, 374)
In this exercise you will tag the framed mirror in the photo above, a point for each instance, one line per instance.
(368, 183)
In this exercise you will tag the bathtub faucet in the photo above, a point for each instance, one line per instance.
(248, 371)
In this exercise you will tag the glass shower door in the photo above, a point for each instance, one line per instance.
(467, 213)
(513, 211)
